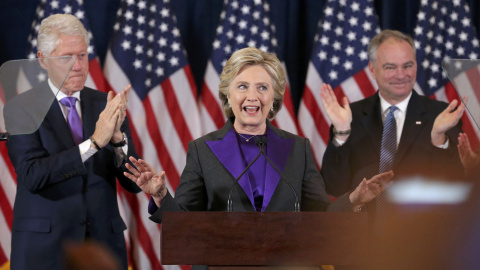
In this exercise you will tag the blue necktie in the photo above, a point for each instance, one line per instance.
(387, 152)
(74, 120)
(389, 142)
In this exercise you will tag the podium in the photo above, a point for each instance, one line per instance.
(251, 239)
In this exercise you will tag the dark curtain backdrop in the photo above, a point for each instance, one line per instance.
(295, 20)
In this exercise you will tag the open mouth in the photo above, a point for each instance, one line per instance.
(251, 109)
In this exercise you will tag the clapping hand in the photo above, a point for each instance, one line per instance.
(117, 135)
(340, 116)
(447, 120)
(470, 159)
(368, 190)
(111, 118)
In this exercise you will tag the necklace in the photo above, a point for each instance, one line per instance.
(246, 139)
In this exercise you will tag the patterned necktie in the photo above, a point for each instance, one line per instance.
(387, 152)
(74, 120)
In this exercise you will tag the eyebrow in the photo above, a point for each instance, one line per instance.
(392, 64)
(259, 83)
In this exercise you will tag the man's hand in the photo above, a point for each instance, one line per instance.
(446, 120)
(111, 118)
(117, 133)
(470, 159)
(147, 179)
(107, 120)
(340, 116)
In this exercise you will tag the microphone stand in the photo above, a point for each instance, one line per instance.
(261, 142)
(229, 201)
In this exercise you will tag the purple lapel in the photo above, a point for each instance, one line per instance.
(227, 151)
(278, 150)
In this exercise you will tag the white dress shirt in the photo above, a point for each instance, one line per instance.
(86, 151)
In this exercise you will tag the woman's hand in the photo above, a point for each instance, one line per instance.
(368, 190)
(147, 179)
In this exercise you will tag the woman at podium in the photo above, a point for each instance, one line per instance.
(248, 164)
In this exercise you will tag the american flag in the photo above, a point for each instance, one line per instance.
(243, 23)
(444, 30)
(340, 59)
(95, 80)
(146, 52)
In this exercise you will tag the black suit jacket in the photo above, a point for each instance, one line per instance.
(209, 176)
(345, 166)
(58, 196)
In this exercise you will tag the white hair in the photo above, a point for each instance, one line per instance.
(56, 25)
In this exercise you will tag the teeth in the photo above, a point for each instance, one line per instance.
(251, 108)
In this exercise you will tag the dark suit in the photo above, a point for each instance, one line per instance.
(58, 196)
(214, 161)
(344, 167)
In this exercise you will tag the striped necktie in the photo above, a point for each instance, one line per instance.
(387, 152)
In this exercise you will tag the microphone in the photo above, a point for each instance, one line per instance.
(261, 142)
(229, 201)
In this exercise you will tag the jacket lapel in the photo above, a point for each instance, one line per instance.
(57, 121)
(415, 121)
(278, 151)
(90, 112)
(372, 122)
(227, 151)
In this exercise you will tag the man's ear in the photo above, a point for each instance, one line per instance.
(42, 62)
(370, 68)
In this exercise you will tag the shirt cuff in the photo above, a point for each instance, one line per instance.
(445, 145)
(337, 142)
(86, 151)
(120, 153)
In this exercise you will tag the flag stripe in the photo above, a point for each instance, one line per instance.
(322, 125)
(8, 164)
(176, 113)
(210, 102)
(5, 240)
(159, 145)
(96, 75)
(211, 105)
(6, 208)
(307, 125)
(473, 76)
(466, 120)
(363, 83)
(143, 236)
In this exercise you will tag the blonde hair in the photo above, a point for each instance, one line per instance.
(251, 57)
(56, 25)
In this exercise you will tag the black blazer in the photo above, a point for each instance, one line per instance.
(58, 195)
(345, 166)
(210, 172)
